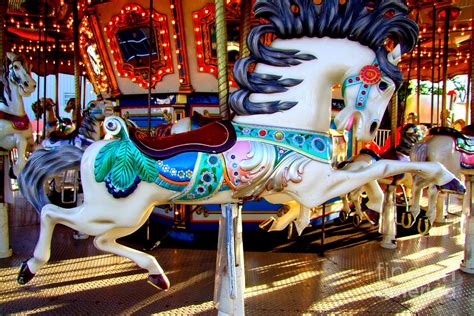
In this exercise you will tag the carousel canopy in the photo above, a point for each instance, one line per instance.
(43, 30)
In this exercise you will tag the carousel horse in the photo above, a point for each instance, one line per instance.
(54, 124)
(277, 146)
(451, 148)
(409, 135)
(89, 131)
(15, 127)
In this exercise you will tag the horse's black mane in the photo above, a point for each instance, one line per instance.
(87, 125)
(370, 23)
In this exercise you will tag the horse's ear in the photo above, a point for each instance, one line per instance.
(395, 55)
(11, 56)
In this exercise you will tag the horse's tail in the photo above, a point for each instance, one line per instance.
(43, 164)
(419, 152)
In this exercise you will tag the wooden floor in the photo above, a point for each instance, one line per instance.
(420, 277)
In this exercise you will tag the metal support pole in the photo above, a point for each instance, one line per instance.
(467, 264)
(388, 226)
(433, 62)
(444, 110)
(5, 250)
(77, 57)
(229, 283)
(150, 52)
(323, 230)
(245, 13)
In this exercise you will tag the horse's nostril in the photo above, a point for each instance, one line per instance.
(373, 127)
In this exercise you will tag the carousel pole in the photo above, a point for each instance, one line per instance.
(222, 60)
(229, 283)
(467, 265)
(56, 74)
(418, 79)
(150, 51)
(246, 11)
(77, 58)
(45, 65)
(447, 19)
(5, 250)
(388, 226)
(39, 83)
(433, 61)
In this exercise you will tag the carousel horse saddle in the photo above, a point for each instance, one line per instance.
(19, 122)
(214, 137)
(464, 143)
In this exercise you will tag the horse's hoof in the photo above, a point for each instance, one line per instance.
(159, 281)
(454, 186)
(292, 231)
(25, 275)
(356, 220)
(342, 216)
(424, 226)
(79, 236)
(11, 173)
(266, 224)
(407, 220)
(372, 216)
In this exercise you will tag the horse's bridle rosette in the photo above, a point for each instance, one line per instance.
(370, 74)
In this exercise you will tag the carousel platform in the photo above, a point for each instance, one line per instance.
(422, 276)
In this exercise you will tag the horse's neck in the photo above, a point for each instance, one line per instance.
(51, 116)
(335, 58)
(94, 135)
(15, 104)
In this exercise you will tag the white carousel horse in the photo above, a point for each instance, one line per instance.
(90, 129)
(15, 127)
(410, 134)
(454, 150)
(277, 146)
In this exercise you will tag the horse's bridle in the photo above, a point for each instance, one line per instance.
(368, 76)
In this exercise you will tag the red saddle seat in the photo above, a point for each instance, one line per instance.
(214, 137)
(19, 122)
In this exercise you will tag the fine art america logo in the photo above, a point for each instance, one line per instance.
(416, 282)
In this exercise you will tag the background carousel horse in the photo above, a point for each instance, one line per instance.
(90, 129)
(53, 122)
(257, 154)
(453, 149)
(15, 127)
(410, 134)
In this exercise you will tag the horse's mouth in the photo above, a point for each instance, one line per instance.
(350, 122)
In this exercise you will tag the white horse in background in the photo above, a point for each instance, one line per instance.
(455, 151)
(277, 146)
(15, 127)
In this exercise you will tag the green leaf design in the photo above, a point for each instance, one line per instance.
(123, 172)
(146, 167)
(105, 160)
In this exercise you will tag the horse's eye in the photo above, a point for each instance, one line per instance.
(383, 85)
(16, 67)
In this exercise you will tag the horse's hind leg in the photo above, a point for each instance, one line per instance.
(107, 242)
(50, 216)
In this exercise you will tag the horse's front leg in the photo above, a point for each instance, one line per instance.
(21, 144)
(286, 219)
(50, 216)
(340, 182)
(107, 242)
(417, 190)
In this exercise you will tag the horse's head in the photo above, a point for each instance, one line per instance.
(100, 109)
(19, 74)
(43, 105)
(367, 92)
